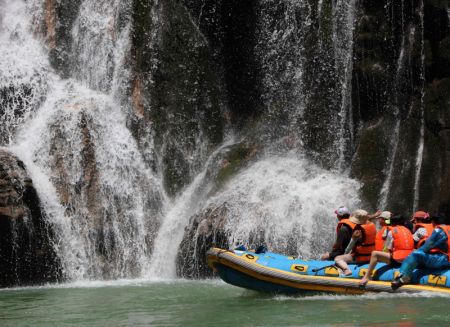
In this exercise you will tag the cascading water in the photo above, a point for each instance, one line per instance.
(175, 221)
(103, 201)
(344, 19)
(305, 55)
(100, 180)
(23, 72)
(406, 44)
(419, 157)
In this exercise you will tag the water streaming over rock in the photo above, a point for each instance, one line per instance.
(419, 157)
(102, 199)
(117, 109)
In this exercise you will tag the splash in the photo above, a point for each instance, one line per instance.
(172, 229)
(286, 202)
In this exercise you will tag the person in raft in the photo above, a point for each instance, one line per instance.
(422, 227)
(343, 235)
(398, 244)
(384, 221)
(362, 241)
(434, 253)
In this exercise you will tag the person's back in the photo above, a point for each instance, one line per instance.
(343, 235)
(402, 242)
(397, 245)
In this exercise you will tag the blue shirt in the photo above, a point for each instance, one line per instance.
(438, 239)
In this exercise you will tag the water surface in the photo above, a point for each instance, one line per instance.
(208, 303)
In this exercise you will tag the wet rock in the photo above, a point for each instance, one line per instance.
(17, 102)
(27, 255)
(176, 92)
(59, 17)
(205, 230)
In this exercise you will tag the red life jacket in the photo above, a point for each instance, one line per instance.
(379, 240)
(364, 248)
(428, 227)
(402, 244)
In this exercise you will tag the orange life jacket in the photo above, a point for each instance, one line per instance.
(379, 240)
(364, 248)
(428, 227)
(446, 229)
(402, 244)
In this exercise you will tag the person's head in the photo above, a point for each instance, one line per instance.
(439, 218)
(398, 220)
(385, 218)
(421, 217)
(359, 217)
(342, 213)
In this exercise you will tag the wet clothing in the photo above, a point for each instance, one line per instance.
(425, 257)
(343, 237)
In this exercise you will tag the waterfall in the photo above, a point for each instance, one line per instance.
(401, 64)
(120, 121)
(344, 20)
(23, 70)
(103, 201)
(176, 219)
(419, 157)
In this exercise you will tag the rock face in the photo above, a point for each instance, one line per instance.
(272, 72)
(205, 230)
(26, 252)
(176, 90)
(399, 101)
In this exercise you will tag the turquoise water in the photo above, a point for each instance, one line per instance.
(208, 303)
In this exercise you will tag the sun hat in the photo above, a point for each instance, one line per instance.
(341, 211)
(359, 217)
(385, 215)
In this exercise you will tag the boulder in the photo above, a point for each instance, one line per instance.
(27, 254)
(205, 230)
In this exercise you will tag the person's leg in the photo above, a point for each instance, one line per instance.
(376, 256)
(436, 261)
(408, 265)
(341, 262)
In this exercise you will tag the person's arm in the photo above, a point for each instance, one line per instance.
(437, 237)
(342, 239)
(419, 234)
(356, 236)
(374, 215)
(388, 242)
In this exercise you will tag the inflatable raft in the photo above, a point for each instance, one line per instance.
(276, 273)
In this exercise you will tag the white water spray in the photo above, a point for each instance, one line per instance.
(288, 203)
(163, 263)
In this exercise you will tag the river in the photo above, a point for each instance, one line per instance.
(207, 303)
